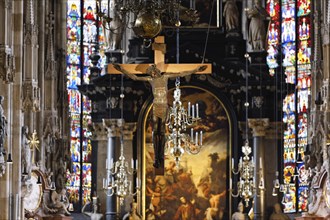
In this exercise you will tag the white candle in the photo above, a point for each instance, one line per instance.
(132, 163)
(197, 114)
(106, 164)
(137, 182)
(230, 183)
(201, 137)
(136, 164)
(196, 138)
(260, 161)
(111, 163)
(193, 111)
(104, 183)
(232, 163)
(189, 108)
(191, 135)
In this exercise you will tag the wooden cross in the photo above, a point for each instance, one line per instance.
(159, 48)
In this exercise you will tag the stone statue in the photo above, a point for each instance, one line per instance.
(93, 215)
(26, 151)
(60, 202)
(158, 81)
(133, 214)
(3, 126)
(257, 28)
(278, 214)
(112, 30)
(231, 14)
(239, 215)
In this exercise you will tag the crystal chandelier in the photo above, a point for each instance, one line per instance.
(120, 173)
(246, 186)
(177, 122)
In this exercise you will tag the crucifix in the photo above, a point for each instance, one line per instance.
(158, 74)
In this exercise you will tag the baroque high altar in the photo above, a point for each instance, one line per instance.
(71, 124)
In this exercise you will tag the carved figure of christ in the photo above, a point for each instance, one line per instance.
(158, 75)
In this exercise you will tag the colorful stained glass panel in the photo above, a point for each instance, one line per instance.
(304, 7)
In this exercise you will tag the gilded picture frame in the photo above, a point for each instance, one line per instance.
(202, 180)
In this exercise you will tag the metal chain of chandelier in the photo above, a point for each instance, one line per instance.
(179, 119)
(246, 186)
(120, 173)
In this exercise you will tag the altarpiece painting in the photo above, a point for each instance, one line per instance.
(197, 189)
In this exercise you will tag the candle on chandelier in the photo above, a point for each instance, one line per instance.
(136, 164)
(189, 108)
(260, 161)
(191, 135)
(132, 163)
(106, 164)
(137, 182)
(230, 183)
(201, 137)
(111, 163)
(232, 163)
(104, 183)
(193, 111)
(196, 138)
(197, 114)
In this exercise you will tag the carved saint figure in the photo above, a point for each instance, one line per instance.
(257, 29)
(158, 81)
(239, 215)
(60, 201)
(231, 14)
(26, 150)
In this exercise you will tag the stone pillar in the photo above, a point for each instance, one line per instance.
(113, 145)
(259, 127)
(99, 141)
(128, 129)
(16, 117)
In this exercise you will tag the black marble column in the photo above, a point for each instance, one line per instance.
(259, 127)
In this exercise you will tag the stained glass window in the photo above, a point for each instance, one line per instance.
(84, 33)
(292, 30)
(273, 40)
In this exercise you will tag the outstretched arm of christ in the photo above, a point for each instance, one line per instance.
(186, 73)
(130, 75)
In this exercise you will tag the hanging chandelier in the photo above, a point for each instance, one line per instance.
(120, 174)
(146, 18)
(178, 121)
(246, 186)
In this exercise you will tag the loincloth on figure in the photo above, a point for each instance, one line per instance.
(160, 110)
(160, 103)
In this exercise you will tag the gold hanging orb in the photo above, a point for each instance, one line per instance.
(147, 25)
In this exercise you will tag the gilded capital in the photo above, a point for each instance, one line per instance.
(259, 126)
